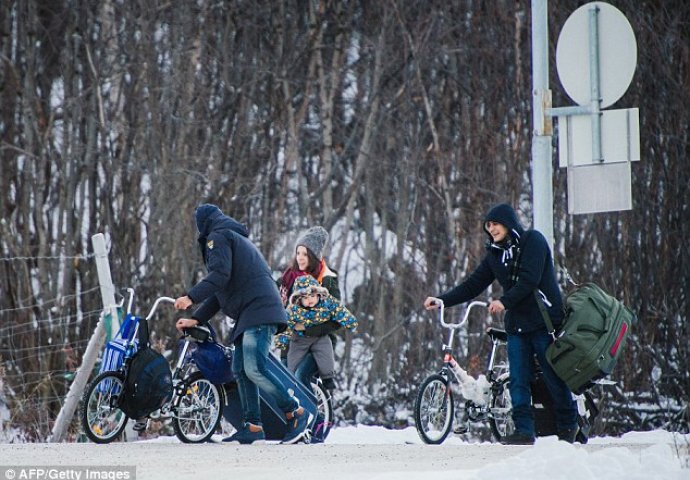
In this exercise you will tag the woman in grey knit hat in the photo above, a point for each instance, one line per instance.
(308, 260)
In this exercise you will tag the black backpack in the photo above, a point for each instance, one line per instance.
(149, 381)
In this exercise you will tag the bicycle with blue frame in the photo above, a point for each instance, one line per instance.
(195, 408)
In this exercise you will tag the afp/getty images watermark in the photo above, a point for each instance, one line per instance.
(80, 472)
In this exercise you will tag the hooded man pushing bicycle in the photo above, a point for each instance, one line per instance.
(522, 263)
(239, 283)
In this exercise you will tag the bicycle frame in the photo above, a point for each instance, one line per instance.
(454, 396)
(129, 352)
(152, 311)
(195, 406)
(165, 411)
(477, 406)
(448, 360)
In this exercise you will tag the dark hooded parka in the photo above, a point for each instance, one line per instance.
(522, 263)
(239, 281)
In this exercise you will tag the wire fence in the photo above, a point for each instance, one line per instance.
(42, 341)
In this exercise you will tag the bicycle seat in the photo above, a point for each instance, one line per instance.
(199, 334)
(497, 334)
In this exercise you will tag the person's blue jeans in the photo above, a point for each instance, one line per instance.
(306, 369)
(305, 372)
(249, 366)
(521, 351)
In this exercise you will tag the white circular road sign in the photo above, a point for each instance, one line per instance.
(617, 54)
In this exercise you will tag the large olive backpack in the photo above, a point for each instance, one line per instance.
(591, 340)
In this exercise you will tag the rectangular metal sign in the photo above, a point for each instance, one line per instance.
(599, 187)
(620, 138)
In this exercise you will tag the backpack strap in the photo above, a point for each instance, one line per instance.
(540, 303)
(545, 314)
(143, 333)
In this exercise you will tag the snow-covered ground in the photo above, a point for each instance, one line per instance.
(636, 455)
(358, 453)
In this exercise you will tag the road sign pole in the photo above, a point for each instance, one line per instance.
(597, 145)
(595, 105)
(542, 151)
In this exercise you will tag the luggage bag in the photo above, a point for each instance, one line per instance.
(274, 421)
(592, 338)
(545, 416)
(542, 406)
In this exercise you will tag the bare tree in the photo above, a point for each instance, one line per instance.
(394, 124)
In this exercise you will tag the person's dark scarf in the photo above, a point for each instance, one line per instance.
(510, 252)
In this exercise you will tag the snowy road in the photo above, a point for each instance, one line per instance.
(358, 454)
(276, 462)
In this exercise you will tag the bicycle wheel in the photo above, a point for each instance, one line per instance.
(500, 419)
(434, 409)
(101, 419)
(324, 413)
(197, 412)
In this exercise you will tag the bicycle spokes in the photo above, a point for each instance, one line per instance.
(198, 410)
(434, 409)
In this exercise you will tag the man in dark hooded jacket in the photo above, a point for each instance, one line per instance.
(521, 261)
(239, 283)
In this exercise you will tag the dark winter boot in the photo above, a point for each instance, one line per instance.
(518, 438)
(568, 435)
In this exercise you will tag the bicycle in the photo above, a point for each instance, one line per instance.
(325, 416)
(195, 408)
(486, 398)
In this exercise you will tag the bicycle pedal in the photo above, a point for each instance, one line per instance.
(140, 425)
(461, 429)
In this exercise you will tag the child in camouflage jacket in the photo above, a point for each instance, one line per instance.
(311, 304)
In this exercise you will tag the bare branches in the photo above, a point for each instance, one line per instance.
(394, 124)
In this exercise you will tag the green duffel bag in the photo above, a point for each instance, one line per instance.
(591, 340)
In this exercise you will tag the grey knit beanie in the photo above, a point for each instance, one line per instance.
(314, 239)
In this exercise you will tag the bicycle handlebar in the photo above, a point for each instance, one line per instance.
(156, 303)
(476, 303)
(129, 291)
(130, 302)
